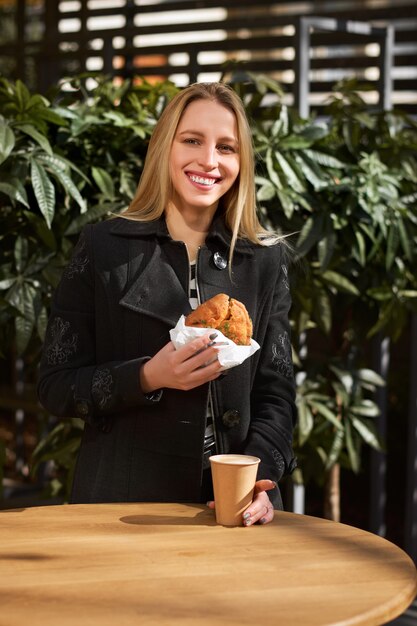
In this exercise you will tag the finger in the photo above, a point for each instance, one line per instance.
(264, 485)
(201, 365)
(210, 504)
(193, 347)
(260, 509)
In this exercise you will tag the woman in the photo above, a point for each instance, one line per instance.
(154, 415)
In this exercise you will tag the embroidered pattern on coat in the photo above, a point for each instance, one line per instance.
(101, 387)
(281, 355)
(285, 280)
(61, 344)
(279, 460)
(79, 261)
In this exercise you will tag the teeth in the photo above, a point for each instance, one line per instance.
(201, 180)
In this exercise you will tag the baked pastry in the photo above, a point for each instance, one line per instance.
(225, 314)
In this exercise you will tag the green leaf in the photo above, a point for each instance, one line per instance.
(25, 323)
(335, 449)
(369, 376)
(404, 238)
(21, 254)
(44, 191)
(104, 182)
(324, 159)
(366, 408)
(22, 95)
(361, 248)
(271, 170)
(367, 431)
(392, 245)
(7, 141)
(331, 417)
(322, 310)
(312, 171)
(266, 192)
(6, 283)
(293, 180)
(71, 188)
(325, 248)
(385, 314)
(353, 453)
(16, 192)
(305, 421)
(340, 282)
(294, 142)
(30, 130)
(311, 232)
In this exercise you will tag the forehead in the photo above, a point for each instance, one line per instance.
(210, 115)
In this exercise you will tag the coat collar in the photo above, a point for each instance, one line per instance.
(157, 228)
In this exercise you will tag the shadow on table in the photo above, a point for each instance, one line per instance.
(201, 518)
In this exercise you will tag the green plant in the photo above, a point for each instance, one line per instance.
(72, 158)
(345, 185)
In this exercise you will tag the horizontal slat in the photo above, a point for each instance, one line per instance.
(345, 51)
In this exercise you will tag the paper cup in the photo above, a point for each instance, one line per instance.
(234, 477)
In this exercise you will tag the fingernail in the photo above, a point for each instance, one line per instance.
(262, 520)
(209, 502)
(246, 515)
(213, 336)
(247, 522)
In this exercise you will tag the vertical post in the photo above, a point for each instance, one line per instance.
(130, 10)
(381, 345)
(301, 103)
(411, 485)
(193, 66)
(49, 61)
(302, 66)
(385, 69)
(381, 360)
(20, 23)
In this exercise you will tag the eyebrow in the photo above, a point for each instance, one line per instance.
(200, 134)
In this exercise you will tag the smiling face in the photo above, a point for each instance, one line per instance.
(204, 158)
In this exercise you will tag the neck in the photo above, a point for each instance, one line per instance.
(192, 229)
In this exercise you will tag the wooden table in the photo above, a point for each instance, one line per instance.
(170, 564)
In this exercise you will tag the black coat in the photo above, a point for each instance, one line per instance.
(124, 289)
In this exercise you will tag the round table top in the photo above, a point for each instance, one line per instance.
(171, 564)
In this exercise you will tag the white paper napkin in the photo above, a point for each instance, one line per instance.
(230, 355)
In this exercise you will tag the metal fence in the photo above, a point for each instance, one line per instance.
(194, 40)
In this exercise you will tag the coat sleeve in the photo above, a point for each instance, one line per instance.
(273, 410)
(71, 383)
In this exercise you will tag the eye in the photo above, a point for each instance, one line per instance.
(191, 141)
(226, 149)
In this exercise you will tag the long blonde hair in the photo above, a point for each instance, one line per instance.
(155, 187)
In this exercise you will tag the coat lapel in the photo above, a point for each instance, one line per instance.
(157, 292)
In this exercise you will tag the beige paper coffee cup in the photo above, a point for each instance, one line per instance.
(234, 477)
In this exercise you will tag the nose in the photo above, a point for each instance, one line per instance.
(208, 156)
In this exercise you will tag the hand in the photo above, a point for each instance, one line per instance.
(192, 365)
(261, 509)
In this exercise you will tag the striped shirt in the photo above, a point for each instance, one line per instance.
(209, 438)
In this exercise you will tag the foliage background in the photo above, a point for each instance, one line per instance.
(344, 185)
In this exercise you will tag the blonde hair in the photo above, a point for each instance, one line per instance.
(155, 187)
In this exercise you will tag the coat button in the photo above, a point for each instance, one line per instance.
(82, 408)
(219, 261)
(231, 418)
